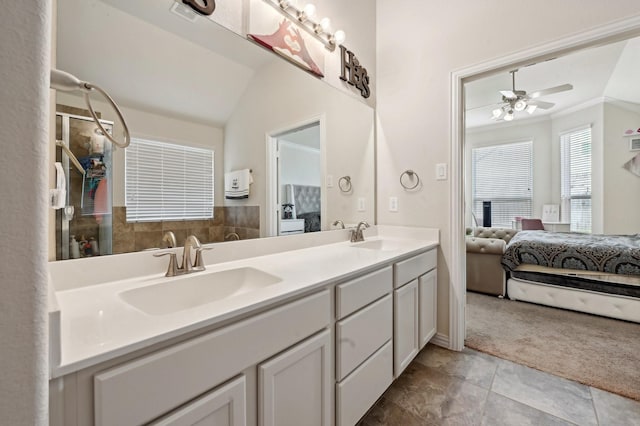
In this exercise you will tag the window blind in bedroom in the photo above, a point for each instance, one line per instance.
(503, 174)
(166, 181)
(575, 178)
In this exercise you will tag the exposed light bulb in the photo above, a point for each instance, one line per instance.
(309, 10)
(339, 37)
(509, 115)
(322, 27)
(325, 23)
(520, 105)
(531, 108)
(497, 113)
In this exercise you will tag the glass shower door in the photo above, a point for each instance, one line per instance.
(84, 224)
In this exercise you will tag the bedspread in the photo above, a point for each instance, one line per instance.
(615, 254)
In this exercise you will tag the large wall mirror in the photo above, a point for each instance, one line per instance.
(192, 83)
(566, 154)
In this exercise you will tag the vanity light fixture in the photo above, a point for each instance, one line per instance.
(303, 17)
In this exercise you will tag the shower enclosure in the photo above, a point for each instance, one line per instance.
(84, 224)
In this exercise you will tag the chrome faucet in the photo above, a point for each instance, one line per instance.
(339, 222)
(187, 267)
(356, 234)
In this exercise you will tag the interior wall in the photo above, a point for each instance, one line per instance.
(621, 187)
(155, 126)
(299, 165)
(564, 122)
(539, 132)
(348, 137)
(419, 44)
(25, 35)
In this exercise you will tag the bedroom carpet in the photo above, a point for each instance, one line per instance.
(597, 351)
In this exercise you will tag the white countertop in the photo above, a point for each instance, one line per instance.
(97, 325)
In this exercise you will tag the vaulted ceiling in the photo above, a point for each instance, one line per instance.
(608, 71)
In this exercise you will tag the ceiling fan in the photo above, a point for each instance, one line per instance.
(518, 100)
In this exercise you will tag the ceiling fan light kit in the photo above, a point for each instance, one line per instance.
(518, 100)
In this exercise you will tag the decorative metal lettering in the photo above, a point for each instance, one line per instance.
(206, 8)
(357, 73)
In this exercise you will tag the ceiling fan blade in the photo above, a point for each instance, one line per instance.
(483, 106)
(542, 104)
(508, 94)
(556, 89)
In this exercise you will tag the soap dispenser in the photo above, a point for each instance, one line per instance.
(74, 249)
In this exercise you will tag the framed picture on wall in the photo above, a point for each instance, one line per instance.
(551, 213)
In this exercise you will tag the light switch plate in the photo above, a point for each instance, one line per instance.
(361, 204)
(441, 171)
(393, 204)
(329, 181)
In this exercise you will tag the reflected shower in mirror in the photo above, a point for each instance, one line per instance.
(197, 84)
(549, 151)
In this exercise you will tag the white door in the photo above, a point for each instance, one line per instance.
(427, 291)
(294, 387)
(405, 326)
(224, 406)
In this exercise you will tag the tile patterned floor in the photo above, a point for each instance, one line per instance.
(442, 387)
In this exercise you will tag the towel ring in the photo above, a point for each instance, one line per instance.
(411, 174)
(345, 183)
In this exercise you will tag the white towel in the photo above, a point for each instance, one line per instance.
(59, 194)
(237, 184)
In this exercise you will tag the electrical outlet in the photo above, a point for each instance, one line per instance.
(393, 204)
(329, 181)
(361, 204)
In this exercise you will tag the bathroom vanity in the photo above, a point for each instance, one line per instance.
(319, 330)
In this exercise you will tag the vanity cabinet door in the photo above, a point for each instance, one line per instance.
(405, 326)
(224, 406)
(294, 387)
(427, 291)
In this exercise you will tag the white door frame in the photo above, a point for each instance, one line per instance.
(273, 207)
(605, 34)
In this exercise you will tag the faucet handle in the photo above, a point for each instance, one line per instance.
(199, 263)
(172, 270)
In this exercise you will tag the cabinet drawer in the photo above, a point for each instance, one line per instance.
(410, 269)
(355, 294)
(360, 390)
(360, 335)
(144, 389)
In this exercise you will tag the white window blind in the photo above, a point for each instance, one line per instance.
(503, 175)
(575, 178)
(165, 181)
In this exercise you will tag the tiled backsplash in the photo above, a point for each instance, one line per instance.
(129, 237)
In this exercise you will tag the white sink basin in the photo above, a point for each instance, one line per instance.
(382, 245)
(199, 288)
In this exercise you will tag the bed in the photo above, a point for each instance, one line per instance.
(598, 274)
(307, 201)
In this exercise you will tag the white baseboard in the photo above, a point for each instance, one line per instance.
(440, 340)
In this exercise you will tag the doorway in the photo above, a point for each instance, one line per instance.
(295, 197)
(618, 31)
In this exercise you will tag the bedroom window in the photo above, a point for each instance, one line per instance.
(575, 178)
(503, 175)
(166, 181)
